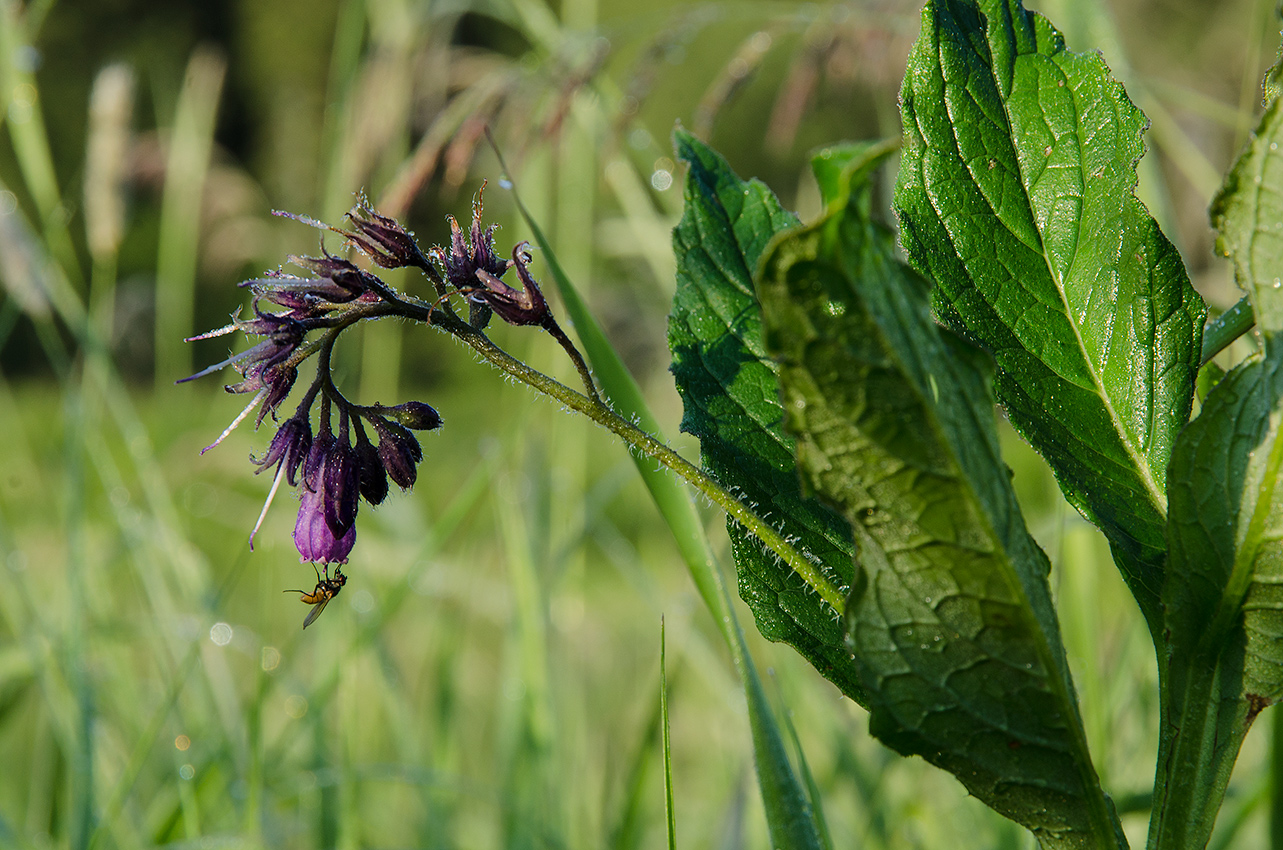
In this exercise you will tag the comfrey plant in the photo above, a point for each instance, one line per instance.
(845, 404)
(334, 470)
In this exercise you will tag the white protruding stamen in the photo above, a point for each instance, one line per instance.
(230, 428)
(217, 332)
(271, 494)
(248, 353)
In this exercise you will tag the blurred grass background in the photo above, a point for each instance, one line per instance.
(490, 675)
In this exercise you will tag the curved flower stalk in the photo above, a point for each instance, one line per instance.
(333, 468)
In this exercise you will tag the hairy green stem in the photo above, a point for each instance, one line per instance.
(1200, 742)
(596, 409)
(639, 440)
(554, 330)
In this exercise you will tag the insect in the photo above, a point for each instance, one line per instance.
(326, 589)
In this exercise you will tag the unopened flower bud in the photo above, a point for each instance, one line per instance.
(339, 279)
(314, 466)
(374, 479)
(342, 488)
(290, 446)
(383, 240)
(414, 415)
(400, 453)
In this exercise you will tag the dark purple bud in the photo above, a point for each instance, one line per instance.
(342, 275)
(342, 485)
(374, 479)
(414, 415)
(301, 304)
(290, 446)
(400, 453)
(279, 380)
(470, 254)
(516, 307)
(303, 297)
(314, 466)
(314, 538)
(382, 239)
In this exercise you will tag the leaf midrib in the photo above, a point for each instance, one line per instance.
(1151, 486)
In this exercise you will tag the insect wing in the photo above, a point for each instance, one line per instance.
(317, 608)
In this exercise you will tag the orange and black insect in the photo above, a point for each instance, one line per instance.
(326, 589)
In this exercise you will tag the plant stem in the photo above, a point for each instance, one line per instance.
(600, 412)
(1200, 740)
(1229, 326)
(595, 408)
(555, 331)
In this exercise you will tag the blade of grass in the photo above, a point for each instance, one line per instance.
(1276, 780)
(787, 812)
(20, 102)
(190, 143)
(76, 657)
(812, 788)
(628, 829)
(670, 817)
(150, 735)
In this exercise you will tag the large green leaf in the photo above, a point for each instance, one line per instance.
(1224, 594)
(1223, 598)
(1016, 197)
(732, 405)
(1248, 212)
(956, 642)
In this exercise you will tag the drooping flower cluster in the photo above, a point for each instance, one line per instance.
(296, 317)
(337, 472)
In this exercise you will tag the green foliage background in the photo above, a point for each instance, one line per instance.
(489, 676)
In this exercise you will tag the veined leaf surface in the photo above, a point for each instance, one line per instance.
(1224, 593)
(956, 642)
(1227, 524)
(731, 397)
(1248, 213)
(1016, 197)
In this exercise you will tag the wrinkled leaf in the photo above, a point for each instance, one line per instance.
(1224, 594)
(1227, 524)
(955, 638)
(1016, 196)
(731, 397)
(1248, 213)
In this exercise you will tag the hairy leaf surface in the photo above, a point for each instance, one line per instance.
(1227, 524)
(1016, 196)
(731, 397)
(1224, 594)
(1248, 212)
(955, 638)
